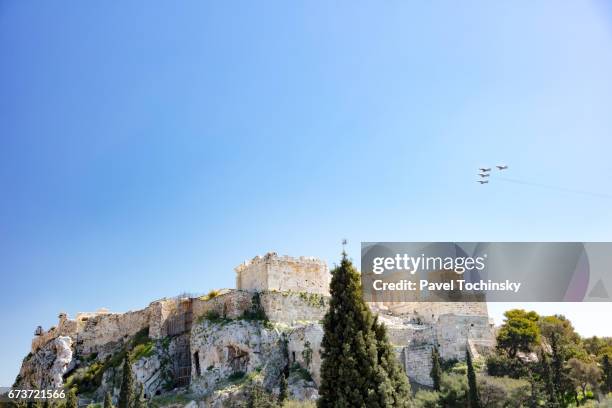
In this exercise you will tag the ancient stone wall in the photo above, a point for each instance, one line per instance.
(417, 363)
(304, 347)
(65, 327)
(230, 305)
(429, 312)
(159, 312)
(98, 330)
(283, 273)
(454, 331)
(284, 307)
(291, 307)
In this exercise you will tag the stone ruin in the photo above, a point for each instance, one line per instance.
(200, 342)
(283, 273)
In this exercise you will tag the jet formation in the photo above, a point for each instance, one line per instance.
(485, 172)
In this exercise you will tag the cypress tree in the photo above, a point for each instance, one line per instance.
(108, 400)
(284, 389)
(71, 400)
(473, 398)
(126, 394)
(398, 386)
(607, 374)
(436, 370)
(140, 401)
(358, 364)
(548, 381)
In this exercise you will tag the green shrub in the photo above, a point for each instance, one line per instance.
(500, 365)
(426, 399)
(172, 399)
(143, 350)
(256, 311)
(299, 404)
(236, 376)
(501, 392)
(453, 390)
(301, 372)
(211, 295)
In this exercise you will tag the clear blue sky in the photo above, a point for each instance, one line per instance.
(146, 148)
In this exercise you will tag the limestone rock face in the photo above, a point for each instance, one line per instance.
(45, 368)
(63, 357)
(224, 353)
(304, 344)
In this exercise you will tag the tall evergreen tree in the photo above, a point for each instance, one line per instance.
(547, 376)
(108, 400)
(351, 375)
(436, 370)
(126, 394)
(72, 400)
(607, 374)
(284, 389)
(473, 398)
(140, 401)
(399, 387)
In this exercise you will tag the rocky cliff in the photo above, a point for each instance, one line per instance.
(210, 348)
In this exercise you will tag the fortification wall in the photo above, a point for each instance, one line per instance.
(159, 312)
(291, 307)
(429, 312)
(283, 273)
(65, 327)
(410, 334)
(253, 275)
(230, 304)
(99, 330)
(417, 363)
(284, 307)
(454, 331)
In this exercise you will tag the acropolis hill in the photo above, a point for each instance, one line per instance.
(203, 344)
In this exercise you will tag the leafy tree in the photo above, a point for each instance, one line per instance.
(560, 326)
(356, 370)
(584, 375)
(473, 397)
(126, 393)
(108, 400)
(436, 371)
(519, 332)
(71, 399)
(502, 392)
(598, 346)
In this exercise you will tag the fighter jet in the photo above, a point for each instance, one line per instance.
(502, 167)
(482, 181)
(484, 169)
(484, 174)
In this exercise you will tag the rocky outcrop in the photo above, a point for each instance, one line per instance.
(63, 358)
(46, 367)
(228, 354)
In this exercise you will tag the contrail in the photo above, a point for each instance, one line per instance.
(563, 189)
